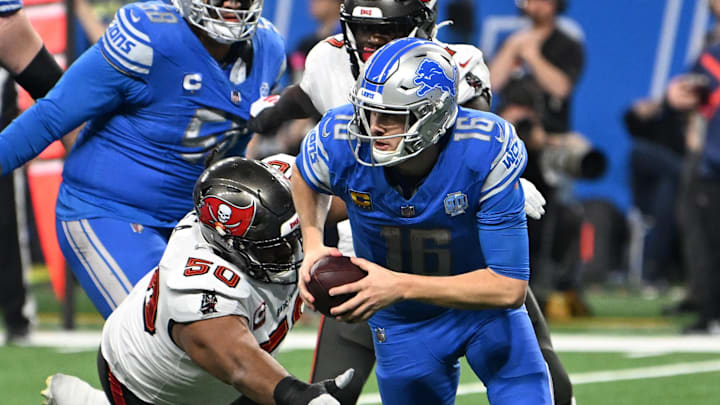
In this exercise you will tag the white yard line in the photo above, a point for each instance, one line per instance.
(638, 346)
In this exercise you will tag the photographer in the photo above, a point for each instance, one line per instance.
(546, 53)
(703, 196)
(657, 162)
(554, 160)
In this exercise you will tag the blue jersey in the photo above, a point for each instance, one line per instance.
(10, 6)
(157, 104)
(466, 215)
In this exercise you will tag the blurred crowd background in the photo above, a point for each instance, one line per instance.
(617, 119)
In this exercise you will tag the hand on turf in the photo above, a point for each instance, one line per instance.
(380, 288)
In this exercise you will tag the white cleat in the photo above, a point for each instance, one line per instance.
(63, 389)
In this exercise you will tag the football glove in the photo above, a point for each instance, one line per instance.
(291, 391)
(534, 201)
(266, 102)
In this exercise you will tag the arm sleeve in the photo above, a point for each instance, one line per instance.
(89, 88)
(292, 104)
(501, 221)
(40, 75)
(504, 238)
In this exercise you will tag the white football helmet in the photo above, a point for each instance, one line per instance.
(411, 77)
(224, 25)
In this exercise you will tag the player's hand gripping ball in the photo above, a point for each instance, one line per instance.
(329, 272)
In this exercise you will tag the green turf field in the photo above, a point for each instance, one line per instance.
(601, 378)
(625, 354)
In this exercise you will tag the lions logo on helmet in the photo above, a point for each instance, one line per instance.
(431, 76)
(413, 77)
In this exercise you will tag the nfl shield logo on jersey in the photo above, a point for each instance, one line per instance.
(264, 89)
(380, 335)
(209, 301)
(455, 204)
(235, 97)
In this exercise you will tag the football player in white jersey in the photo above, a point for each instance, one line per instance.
(331, 69)
(202, 328)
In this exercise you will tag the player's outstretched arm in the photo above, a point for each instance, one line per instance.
(225, 348)
(90, 87)
(312, 209)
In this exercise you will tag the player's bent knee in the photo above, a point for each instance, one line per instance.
(529, 389)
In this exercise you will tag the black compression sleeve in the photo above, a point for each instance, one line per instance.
(293, 104)
(40, 75)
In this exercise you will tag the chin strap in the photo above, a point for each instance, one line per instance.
(436, 29)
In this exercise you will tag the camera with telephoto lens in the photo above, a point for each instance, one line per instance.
(574, 157)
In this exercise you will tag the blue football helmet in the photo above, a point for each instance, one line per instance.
(411, 77)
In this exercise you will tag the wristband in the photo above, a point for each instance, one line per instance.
(288, 390)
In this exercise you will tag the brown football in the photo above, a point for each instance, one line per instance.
(329, 272)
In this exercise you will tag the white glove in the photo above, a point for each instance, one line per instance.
(258, 106)
(534, 201)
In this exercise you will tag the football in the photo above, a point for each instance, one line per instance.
(329, 272)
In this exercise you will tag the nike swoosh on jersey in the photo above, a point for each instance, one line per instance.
(462, 65)
(133, 17)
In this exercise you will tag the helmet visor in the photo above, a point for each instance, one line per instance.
(273, 260)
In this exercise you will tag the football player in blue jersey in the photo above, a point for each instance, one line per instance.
(437, 218)
(164, 86)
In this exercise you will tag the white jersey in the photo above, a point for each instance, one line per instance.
(328, 80)
(328, 77)
(191, 283)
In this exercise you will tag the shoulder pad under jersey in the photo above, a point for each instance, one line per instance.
(130, 41)
(473, 73)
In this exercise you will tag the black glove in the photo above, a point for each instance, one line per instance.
(291, 391)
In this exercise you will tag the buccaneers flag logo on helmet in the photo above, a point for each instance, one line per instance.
(226, 217)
